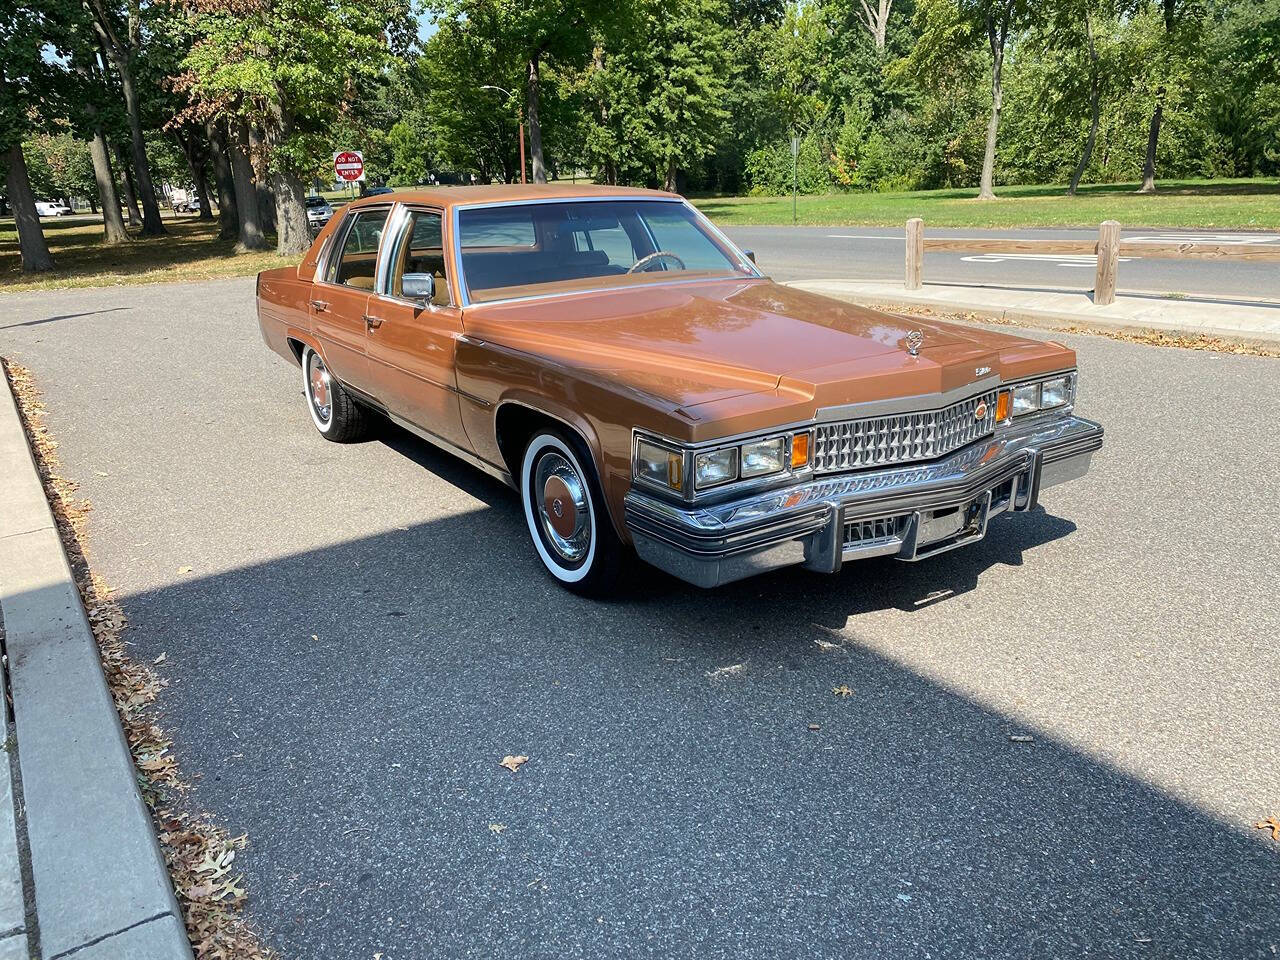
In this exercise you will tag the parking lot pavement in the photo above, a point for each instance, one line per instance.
(365, 633)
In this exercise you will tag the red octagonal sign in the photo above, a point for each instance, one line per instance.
(348, 165)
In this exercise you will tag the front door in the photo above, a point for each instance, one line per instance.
(340, 298)
(411, 342)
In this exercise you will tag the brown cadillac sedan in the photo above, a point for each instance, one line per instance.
(634, 377)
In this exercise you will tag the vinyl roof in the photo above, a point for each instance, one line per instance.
(499, 192)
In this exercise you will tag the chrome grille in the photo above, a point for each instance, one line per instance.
(868, 533)
(903, 437)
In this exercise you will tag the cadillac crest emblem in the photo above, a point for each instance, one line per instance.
(914, 341)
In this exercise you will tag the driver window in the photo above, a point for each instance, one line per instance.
(356, 264)
(421, 250)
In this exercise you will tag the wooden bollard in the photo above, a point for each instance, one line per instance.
(915, 253)
(1104, 283)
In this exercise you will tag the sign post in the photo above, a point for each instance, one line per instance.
(795, 177)
(348, 166)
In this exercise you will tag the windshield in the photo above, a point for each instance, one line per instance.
(535, 248)
(316, 202)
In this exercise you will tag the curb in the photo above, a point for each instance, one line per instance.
(1048, 319)
(101, 888)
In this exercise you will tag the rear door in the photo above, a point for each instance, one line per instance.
(340, 295)
(411, 343)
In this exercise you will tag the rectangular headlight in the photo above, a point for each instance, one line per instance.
(1026, 398)
(1055, 392)
(763, 456)
(660, 465)
(715, 467)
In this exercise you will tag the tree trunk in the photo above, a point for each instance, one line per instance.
(293, 233)
(535, 128)
(670, 184)
(152, 226)
(996, 36)
(228, 219)
(189, 144)
(113, 231)
(1149, 167)
(126, 184)
(31, 245)
(877, 21)
(251, 236)
(261, 179)
(1095, 85)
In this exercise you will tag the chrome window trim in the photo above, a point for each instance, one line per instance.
(349, 217)
(464, 290)
(395, 223)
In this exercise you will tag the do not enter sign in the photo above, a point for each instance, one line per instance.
(349, 165)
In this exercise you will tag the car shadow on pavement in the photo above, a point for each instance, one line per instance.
(348, 706)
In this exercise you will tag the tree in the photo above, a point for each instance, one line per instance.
(535, 34)
(24, 80)
(286, 71)
(120, 33)
(947, 28)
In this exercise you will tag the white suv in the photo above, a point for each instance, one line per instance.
(48, 208)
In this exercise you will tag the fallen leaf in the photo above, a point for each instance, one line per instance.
(200, 891)
(160, 659)
(730, 671)
(514, 763)
(814, 728)
(1021, 738)
(1272, 824)
(844, 690)
(315, 637)
(498, 827)
(184, 569)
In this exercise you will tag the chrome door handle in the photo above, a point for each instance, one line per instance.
(320, 305)
(372, 323)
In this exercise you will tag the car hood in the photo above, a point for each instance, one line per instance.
(698, 345)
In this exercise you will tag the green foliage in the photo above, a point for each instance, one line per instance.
(770, 169)
(59, 166)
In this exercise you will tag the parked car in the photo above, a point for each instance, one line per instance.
(377, 192)
(318, 212)
(190, 205)
(641, 384)
(50, 208)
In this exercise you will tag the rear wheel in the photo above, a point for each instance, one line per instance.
(336, 415)
(565, 511)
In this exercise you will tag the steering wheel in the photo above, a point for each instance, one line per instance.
(643, 263)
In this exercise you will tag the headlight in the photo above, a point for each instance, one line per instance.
(763, 456)
(1055, 392)
(1026, 398)
(660, 465)
(715, 467)
(1048, 394)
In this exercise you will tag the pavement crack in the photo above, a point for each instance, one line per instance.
(115, 933)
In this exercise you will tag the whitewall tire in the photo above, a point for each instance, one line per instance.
(566, 515)
(333, 411)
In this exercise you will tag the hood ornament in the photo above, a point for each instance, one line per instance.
(914, 341)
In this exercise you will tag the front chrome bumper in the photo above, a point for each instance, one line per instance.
(911, 512)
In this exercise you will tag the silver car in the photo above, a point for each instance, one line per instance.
(318, 212)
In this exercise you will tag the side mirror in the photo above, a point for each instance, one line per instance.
(751, 255)
(418, 286)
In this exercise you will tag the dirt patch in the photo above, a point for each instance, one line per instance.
(199, 853)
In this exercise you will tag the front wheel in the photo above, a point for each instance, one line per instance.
(567, 518)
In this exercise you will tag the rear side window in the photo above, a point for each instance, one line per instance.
(356, 262)
(498, 227)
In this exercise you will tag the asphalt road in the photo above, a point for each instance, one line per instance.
(876, 253)
(366, 632)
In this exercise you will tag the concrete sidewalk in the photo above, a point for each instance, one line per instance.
(1249, 322)
(81, 873)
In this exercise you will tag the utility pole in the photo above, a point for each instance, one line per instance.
(795, 178)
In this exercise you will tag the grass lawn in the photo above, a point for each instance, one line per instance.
(190, 251)
(1234, 204)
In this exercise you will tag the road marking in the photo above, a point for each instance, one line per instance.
(860, 236)
(1062, 260)
(1226, 239)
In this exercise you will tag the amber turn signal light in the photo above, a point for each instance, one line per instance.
(799, 450)
(1004, 405)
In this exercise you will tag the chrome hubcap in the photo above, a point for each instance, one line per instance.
(562, 507)
(318, 378)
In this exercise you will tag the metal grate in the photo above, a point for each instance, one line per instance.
(902, 438)
(870, 533)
